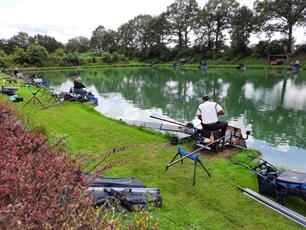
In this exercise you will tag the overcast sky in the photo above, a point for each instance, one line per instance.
(65, 19)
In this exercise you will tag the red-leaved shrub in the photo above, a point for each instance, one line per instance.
(33, 179)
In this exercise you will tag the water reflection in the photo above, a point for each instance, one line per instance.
(295, 97)
(284, 93)
(273, 106)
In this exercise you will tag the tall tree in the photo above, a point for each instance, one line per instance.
(204, 30)
(221, 12)
(3, 45)
(50, 43)
(126, 34)
(22, 40)
(78, 44)
(103, 39)
(97, 37)
(156, 38)
(181, 18)
(141, 25)
(282, 16)
(242, 25)
(158, 30)
(134, 35)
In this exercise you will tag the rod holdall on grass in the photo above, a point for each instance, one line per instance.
(102, 181)
(125, 199)
(125, 194)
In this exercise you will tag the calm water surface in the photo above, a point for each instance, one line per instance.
(270, 104)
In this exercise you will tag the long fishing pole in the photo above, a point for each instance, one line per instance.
(195, 151)
(264, 161)
(173, 122)
(257, 173)
(298, 218)
(60, 103)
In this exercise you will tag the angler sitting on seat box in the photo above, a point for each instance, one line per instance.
(79, 87)
(208, 113)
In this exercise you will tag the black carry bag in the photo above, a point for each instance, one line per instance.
(125, 194)
(125, 199)
(102, 181)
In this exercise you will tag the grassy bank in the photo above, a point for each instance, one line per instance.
(251, 63)
(214, 203)
(144, 65)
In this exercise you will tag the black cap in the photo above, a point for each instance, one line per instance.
(205, 97)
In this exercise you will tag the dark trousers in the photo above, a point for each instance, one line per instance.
(216, 126)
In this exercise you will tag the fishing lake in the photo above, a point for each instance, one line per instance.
(270, 103)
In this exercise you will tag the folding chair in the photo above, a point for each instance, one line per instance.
(194, 157)
(55, 96)
(34, 97)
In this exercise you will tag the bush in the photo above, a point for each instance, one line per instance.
(106, 57)
(3, 64)
(32, 178)
(19, 56)
(36, 54)
(54, 60)
(3, 54)
(40, 189)
(60, 52)
(73, 59)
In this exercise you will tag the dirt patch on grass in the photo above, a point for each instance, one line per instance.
(224, 153)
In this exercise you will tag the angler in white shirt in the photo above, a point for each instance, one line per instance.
(208, 113)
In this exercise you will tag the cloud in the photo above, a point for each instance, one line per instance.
(10, 3)
(71, 18)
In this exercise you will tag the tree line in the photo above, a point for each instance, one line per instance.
(184, 30)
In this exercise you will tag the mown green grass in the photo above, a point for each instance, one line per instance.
(214, 203)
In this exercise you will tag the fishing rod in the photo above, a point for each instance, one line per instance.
(296, 217)
(257, 173)
(195, 151)
(173, 122)
(263, 161)
(62, 102)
